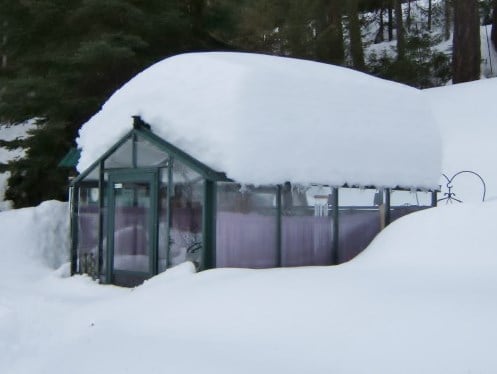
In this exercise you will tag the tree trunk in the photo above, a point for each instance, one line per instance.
(447, 19)
(330, 46)
(380, 37)
(466, 54)
(401, 44)
(493, 34)
(390, 20)
(356, 50)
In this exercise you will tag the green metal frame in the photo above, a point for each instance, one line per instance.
(142, 130)
(74, 204)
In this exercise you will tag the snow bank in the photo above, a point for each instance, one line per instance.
(464, 114)
(34, 236)
(296, 120)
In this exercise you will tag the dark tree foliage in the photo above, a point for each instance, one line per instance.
(66, 57)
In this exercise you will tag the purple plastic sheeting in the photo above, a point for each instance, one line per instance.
(187, 219)
(246, 240)
(249, 240)
(306, 240)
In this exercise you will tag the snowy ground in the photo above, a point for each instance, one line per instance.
(421, 299)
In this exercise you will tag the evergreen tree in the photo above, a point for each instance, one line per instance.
(66, 57)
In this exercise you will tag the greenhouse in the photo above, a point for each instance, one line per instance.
(221, 189)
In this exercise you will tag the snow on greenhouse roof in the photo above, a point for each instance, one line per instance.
(265, 119)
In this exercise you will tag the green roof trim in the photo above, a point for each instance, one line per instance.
(70, 159)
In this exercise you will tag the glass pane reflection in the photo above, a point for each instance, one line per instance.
(131, 226)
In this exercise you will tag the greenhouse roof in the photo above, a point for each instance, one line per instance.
(265, 120)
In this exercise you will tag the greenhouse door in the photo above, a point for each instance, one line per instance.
(131, 251)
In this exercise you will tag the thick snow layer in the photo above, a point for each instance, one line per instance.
(293, 119)
(464, 114)
(421, 299)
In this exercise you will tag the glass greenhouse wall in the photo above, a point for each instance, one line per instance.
(145, 206)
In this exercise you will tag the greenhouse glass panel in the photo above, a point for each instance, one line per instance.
(306, 225)
(163, 201)
(87, 227)
(405, 202)
(246, 226)
(186, 205)
(360, 219)
(131, 226)
(148, 155)
(122, 157)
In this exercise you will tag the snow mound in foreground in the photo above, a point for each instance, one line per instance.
(298, 120)
(35, 236)
(456, 240)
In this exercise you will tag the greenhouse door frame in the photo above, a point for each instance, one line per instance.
(139, 177)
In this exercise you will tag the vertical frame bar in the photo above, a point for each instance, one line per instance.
(101, 212)
(208, 258)
(168, 212)
(335, 248)
(154, 223)
(278, 227)
(74, 192)
(434, 200)
(111, 207)
(388, 217)
(134, 156)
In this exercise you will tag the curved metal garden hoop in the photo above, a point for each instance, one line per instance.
(450, 196)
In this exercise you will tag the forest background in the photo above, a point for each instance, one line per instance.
(61, 59)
